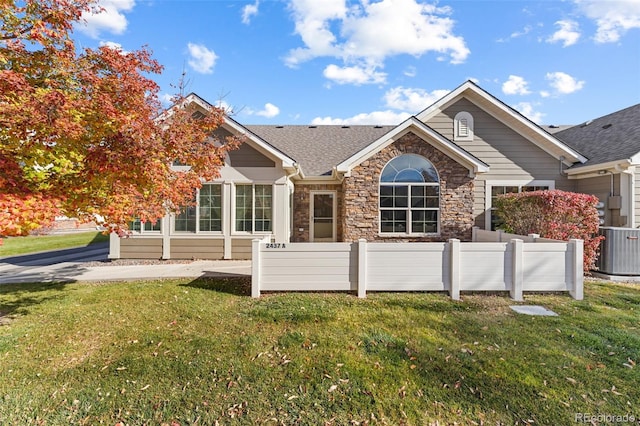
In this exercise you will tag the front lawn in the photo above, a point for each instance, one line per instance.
(196, 352)
(34, 243)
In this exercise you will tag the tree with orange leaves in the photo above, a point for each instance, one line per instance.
(82, 133)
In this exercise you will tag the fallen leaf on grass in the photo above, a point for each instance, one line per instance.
(146, 387)
(572, 381)
(333, 387)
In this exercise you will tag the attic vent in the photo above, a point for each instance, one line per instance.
(606, 126)
(279, 127)
(313, 127)
(377, 127)
(586, 123)
(346, 127)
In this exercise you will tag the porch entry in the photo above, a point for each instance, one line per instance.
(323, 216)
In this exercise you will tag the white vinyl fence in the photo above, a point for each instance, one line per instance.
(453, 266)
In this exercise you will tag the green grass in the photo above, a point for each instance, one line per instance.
(23, 245)
(197, 352)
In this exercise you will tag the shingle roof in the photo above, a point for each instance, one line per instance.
(319, 148)
(610, 138)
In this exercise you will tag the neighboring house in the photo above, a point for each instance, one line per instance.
(430, 178)
(612, 145)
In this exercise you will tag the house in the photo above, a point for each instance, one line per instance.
(433, 177)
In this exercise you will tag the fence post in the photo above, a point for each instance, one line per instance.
(255, 267)
(114, 246)
(577, 276)
(362, 268)
(517, 269)
(454, 271)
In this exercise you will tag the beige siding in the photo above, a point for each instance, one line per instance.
(600, 186)
(510, 156)
(636, 197)
(241, 248)
(197, 248)
(141, 248)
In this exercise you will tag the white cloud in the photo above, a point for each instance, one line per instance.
(563, 83)
(613, 18)
(353, 75)
(249, 11)
(108, 17)
(412, 100)
(527, 109)
(568, 33)
(113, 45)
(269, 111)
(376, 117)
(410, 71)
(371, 32)
(201, 59)
(515, 85)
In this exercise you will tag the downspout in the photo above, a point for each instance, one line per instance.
(562, 172)
(292, 187)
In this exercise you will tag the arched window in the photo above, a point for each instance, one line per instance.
(409, 196)
(463, 127)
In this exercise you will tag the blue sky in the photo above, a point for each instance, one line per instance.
(380, 61)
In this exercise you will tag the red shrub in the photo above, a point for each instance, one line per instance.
(555, 214)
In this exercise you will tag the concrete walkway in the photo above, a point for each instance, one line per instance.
(62, 266)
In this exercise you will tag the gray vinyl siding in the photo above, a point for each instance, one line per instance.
(246, 156)
(510, 156)
(599, 186)
(141, 248)
(636, 197)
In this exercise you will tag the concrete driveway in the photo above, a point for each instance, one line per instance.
(90, 264)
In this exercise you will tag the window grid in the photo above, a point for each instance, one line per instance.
(205, 215)
(254, 208)
(422, 210)
(136, 225)
(210, 208)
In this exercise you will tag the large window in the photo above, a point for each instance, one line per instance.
(409, 196)
(497, 190)
(206, 215)
(253, 208)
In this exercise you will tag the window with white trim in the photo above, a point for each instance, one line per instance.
(463, 126)
(138, 226)
(205, 215)
(254, 208)
(409, 200)
(497, 190)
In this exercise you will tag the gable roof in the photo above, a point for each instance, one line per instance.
(319, 148)
(412, 124)
(509, 117)
(613, 137)
(238, 129)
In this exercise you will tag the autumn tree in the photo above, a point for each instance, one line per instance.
(82, 132)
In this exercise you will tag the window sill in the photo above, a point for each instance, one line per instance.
(405, 235)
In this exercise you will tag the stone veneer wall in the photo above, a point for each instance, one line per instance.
(360, 205)
(301, 202)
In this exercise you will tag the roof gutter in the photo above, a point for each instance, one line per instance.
(594, 170)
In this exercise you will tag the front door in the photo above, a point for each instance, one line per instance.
(323, 213)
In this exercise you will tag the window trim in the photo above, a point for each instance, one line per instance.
(408, 209)
(234, 231)
(488, 188)
(197, 214)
